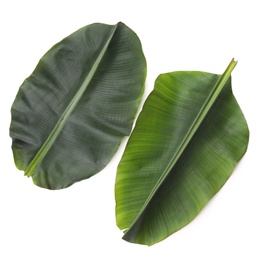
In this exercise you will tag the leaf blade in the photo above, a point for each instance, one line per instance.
(53, 85)
(130, 214)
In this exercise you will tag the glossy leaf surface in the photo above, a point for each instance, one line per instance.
(71, 113)
(187, 140)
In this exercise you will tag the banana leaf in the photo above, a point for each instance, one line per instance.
(188, 138)
(71, 113)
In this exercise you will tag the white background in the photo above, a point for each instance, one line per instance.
(79, 222)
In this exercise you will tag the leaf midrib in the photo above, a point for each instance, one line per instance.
(66, 114)
(195, 125)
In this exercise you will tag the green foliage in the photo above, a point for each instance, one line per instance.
(70, 115)
(187, 140)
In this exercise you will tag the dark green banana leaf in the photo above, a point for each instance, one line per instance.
(187, 140)
(70, 114)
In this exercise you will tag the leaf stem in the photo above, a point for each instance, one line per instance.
(64, 117)
(196, 123)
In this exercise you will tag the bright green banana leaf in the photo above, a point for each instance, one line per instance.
(187, 140)
(70, 114)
